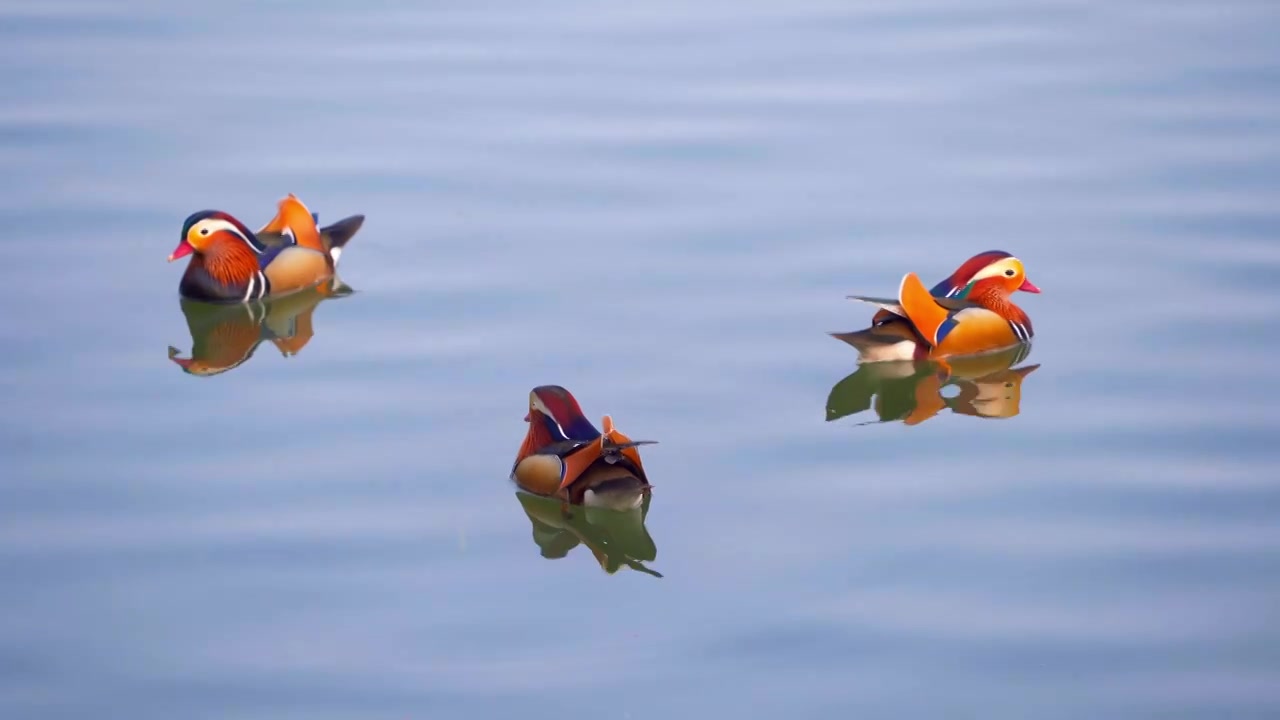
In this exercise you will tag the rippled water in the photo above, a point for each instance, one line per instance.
(662, 208)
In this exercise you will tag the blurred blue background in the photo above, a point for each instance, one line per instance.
(661, 207)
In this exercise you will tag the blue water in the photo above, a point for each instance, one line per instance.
(661, 207)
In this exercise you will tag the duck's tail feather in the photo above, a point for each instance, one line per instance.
(895, 339)
(336, 236)
(886, 304)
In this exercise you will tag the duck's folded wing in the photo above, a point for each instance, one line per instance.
(563, 448)
(577, 461)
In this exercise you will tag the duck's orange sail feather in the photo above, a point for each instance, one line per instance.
(293, 216)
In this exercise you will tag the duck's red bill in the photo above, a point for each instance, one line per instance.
(1027, 286)
(184, 248)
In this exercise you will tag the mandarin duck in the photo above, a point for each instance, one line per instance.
(912, 391)
(230, 263)
(967, 313)
(224, 337)
(617, 540)
(564, 456)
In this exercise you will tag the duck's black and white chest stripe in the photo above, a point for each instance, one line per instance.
(258, 287)
(1022, 331)
(198, 284)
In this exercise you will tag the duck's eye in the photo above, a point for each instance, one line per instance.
(1009, 272)
(205, 231)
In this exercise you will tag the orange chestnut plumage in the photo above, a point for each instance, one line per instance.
(563, 455)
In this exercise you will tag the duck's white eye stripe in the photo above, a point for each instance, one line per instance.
(542, 408)
(212, 226)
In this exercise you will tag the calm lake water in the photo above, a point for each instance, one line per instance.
(662, 207)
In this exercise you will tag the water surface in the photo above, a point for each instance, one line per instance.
(662, 208)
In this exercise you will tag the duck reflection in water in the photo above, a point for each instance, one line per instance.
(986, 386)
(224, 337)
(616, 538)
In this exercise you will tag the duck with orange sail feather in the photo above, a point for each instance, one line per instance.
(232, 264)
(564, 456)
(970, 312)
